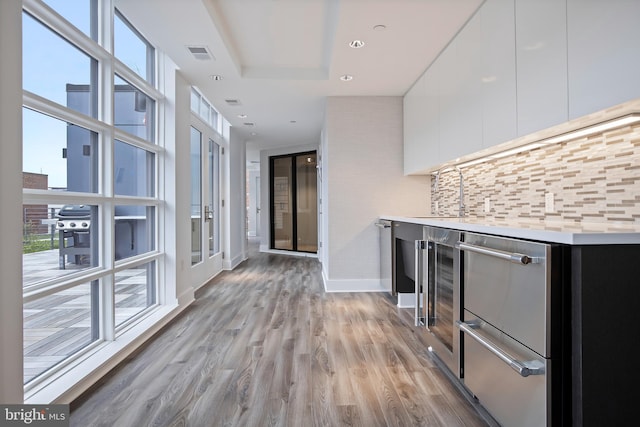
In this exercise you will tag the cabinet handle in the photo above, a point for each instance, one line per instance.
(382, 225)
(421, 245)
(513, 257)
(524, 368)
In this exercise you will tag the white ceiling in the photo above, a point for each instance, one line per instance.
(282, 58)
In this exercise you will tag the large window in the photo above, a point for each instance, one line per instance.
(90, 199)
(56, 70)
(132, 49)
(134, 110)
(65, 153)
(80, 13)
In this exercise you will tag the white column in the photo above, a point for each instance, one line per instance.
(11, 389)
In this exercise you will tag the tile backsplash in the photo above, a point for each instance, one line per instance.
(593, 179)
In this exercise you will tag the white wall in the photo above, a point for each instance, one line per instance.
(253, 203)
(178, 194)
(363, 179)
(11, 202)
(235, 202)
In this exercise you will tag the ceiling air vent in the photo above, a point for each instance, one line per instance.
(248, 124)
(200, 52)
(232, 102)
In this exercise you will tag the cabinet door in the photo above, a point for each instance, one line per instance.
(449, 85)
(414, 155)
(460, 95)
(604, 54)
(432, 116)
(498, 74)
(541, 53)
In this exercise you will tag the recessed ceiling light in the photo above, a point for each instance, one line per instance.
(215, 77)
(253, 134)
(242, 116)
(346, 78)
(356, 44)
(379, 27)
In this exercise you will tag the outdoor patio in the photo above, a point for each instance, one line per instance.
(58, 325)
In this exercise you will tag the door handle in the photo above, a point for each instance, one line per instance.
(513, 257)
(208, 213)
(421, 245)
(524, 368)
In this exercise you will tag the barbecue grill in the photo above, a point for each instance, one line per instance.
(73, 225)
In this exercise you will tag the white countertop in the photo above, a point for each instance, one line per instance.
(570, 233)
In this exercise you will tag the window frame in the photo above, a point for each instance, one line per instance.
(106, 267)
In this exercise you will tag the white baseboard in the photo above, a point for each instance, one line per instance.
(352, 285)
(233, 263)
(406, 300)
(265, 248)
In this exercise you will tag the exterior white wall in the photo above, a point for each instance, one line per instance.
(363, 179)
(11, 202)
(265, 220)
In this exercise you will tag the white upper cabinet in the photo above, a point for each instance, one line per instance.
(604, 54)
(498, 72)
(431, 104)
(541, 62)
(460, 94)
(421, 122)
(520, 66)
(414, 123)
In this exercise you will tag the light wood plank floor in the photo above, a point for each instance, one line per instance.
(265, 345)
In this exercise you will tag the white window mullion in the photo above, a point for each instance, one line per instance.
(107, 232)
(107, 308)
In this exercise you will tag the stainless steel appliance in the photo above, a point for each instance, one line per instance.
(385, 253)
(404, 237)
(506, 325)
(437, 293)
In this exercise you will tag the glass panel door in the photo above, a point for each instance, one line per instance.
(213, 195)
(294, 205)
(282, 218)
(196, 196)
(307, 203)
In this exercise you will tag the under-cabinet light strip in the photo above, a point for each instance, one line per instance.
(578, 133)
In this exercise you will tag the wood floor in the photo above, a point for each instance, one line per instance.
(265, 345)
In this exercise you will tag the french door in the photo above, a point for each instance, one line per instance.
(294, 202)
(205, 206)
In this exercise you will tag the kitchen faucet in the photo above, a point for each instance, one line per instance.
(461, 206)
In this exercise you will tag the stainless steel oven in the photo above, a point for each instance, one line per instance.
(506, 326)
(437, 293)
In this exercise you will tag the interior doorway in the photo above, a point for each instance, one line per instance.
(294, 202)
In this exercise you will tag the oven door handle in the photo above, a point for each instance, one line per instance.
(524, 368)
(513, 257)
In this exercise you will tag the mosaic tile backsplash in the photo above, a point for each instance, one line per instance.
(593, 179)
